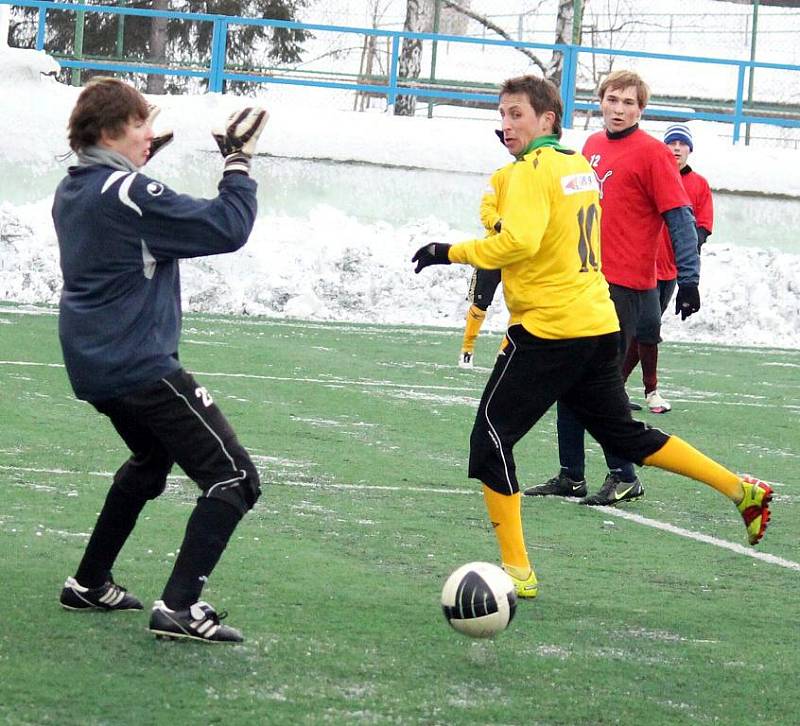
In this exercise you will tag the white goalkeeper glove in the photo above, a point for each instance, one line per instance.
(237, 141)
(161, 139)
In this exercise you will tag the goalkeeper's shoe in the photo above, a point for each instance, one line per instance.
(198, 622)
(558, 486)
(614, 491)
(527, 588)
(754, 507)
(109, 596)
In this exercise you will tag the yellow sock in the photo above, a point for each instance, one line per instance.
(682, 458)
(475, 318)
(505, 514)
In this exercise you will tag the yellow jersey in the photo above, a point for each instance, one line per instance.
(549, 247)
(494, 198)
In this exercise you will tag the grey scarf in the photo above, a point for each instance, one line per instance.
(101, 155)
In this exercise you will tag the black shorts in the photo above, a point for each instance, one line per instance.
(482, 287)
(639, 313)
(665, 290)
(175, 421)
(530, 375)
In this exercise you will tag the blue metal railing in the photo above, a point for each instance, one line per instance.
(217, 73)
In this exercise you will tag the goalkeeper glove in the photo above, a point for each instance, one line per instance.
(687, 301)
(237, 141)
(435, 253)
(159, 140)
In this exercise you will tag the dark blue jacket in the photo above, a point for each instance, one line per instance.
(120, 236)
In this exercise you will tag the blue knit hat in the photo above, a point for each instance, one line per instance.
(679, 132)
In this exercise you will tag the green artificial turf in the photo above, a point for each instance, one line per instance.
(360, 434)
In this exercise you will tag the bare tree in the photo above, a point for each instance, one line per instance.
(565, 22)
(496, 29)
(410, 56)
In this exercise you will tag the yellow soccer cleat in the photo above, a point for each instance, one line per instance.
(754, 507)
(527, 587)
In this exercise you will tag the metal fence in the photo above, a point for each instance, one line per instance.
(735, 104)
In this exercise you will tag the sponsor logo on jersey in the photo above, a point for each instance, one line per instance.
(577, 183)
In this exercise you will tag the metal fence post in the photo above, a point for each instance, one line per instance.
(568, 82)
(80, 18)
(219, 45)
(737, 114)
(394, 61)
(40, 30)
(120, 32)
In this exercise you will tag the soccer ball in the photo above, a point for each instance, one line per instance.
(479, 599)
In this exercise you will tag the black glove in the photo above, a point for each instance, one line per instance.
(237, 141)
(432, 254)
(687, 301)
(498, 225)
(161, 139)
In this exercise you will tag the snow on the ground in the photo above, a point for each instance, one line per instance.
(324, 264)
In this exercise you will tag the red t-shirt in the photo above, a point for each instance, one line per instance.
(638, 182)
(700, 198)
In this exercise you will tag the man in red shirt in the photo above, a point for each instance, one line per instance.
(640, 191)
(678, 138)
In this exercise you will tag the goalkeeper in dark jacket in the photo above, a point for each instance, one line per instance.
(120, 236)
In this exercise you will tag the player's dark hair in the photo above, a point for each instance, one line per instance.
(617, 80)
(542, 94)
(105, 104)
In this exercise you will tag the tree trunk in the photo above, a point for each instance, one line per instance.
(564, 21)
(410, 56)
(158, 47)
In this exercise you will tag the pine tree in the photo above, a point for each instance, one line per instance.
(161, 40)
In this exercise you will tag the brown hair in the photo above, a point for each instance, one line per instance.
(105, 104)
(542, 94)
(617, 80)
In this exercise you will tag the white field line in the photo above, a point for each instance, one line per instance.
(388, 384)
(697, 536)
(605, 511)
(289, 379)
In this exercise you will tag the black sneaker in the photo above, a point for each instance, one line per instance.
(198, 622)
(558, 486)
(106, 597)
(615, 491)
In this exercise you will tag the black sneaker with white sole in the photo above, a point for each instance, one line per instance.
(558, 486)
(614, 491)
(109, 596)
(198, 622)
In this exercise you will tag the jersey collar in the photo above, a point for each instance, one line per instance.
(614, 135)
(539, 142)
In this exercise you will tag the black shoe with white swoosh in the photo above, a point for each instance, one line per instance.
(109, 596)
(615, 491)
(198, 622)
(559, 486)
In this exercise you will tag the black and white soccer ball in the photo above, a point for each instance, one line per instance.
(479, 599)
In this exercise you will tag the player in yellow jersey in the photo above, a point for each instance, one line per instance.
(484, 283)
(562, 340)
